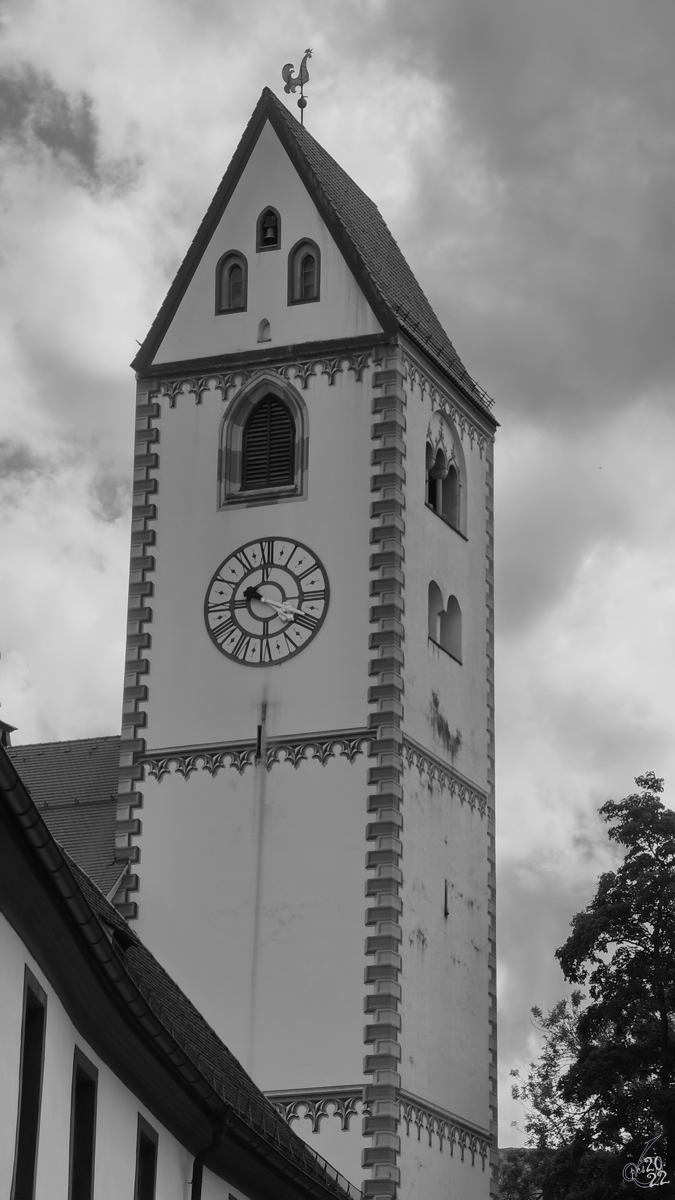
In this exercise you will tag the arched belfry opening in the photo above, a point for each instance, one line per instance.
(264, 443)
(268, 230)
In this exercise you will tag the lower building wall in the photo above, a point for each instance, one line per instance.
(430, 1171)
(117, 1106)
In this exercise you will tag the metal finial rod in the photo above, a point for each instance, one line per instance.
(300, 79)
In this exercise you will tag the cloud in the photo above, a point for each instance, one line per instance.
(33, 110)
(561, 290)
(71, 554)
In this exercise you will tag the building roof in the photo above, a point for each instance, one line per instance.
(358, 229)
(74, 787)
(161, 1015)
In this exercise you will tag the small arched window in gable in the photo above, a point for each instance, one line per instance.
(304, 273)
(268, 446)
(268, 230)
(231, 283)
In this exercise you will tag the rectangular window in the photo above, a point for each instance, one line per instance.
(146, 1161)
(30, 1087)
(82, 1128)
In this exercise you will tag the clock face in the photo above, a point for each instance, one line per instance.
(266, 602)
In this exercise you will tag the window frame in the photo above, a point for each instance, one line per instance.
(439, 614)
(81, 1064)
(230, 259)
(295, 257)
(259, 243)
(145, 1130)
(231, 444)
(39, 998)
(453, 459)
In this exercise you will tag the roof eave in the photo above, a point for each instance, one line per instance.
(211, 217)
(454, 377)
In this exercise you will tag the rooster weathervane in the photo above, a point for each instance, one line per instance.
(301, 78)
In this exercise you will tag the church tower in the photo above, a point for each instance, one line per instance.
(307, 772)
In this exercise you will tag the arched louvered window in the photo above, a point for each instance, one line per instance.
(269, 444)
(231, 283)
(304, 272)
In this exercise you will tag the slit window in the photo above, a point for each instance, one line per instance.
(82, 1128)
(231, 283)
(30, 1089)
(146, 1161)
(269, 444)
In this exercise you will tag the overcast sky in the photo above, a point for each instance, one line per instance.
(523, 154)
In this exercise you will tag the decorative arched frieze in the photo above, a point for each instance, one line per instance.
(443, 1129)
(298, 371)
(343, 743)
(441, 399)
(316, 1104)
(438, 772)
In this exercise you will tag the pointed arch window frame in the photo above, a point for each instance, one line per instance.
(231, 444)
(451, 459)
(295, 260)
(230, 259)
(259, 240)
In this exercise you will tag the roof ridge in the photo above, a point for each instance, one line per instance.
(104, 737)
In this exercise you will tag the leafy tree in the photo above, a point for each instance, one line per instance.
(623, 946)
(565, 1159)
(605, 1082)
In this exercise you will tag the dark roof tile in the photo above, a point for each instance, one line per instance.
(74, 787)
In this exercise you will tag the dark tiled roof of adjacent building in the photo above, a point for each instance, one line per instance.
(359, 230)
(74, 787)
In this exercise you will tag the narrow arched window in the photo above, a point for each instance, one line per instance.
(231, 282)
(235, 287)
(437, 470)
(268, 446)
(451, 629)
(304, 273)
(308, 278)
(268, 230)
(435, 610)
(450, 498)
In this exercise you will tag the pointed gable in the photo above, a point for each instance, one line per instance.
(386, 282)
